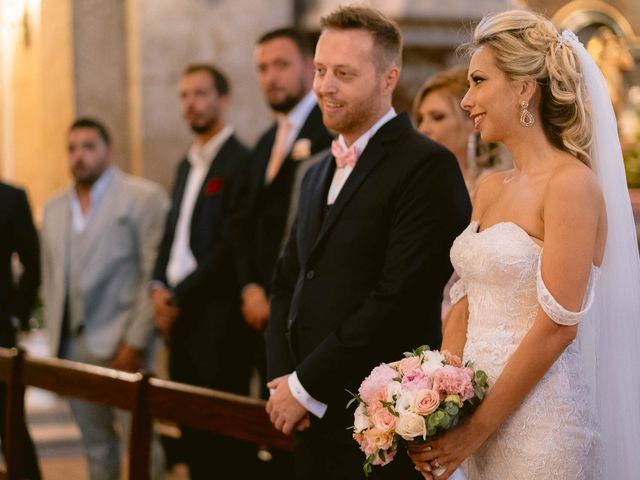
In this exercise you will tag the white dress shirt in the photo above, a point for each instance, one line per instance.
(79, 220)
(181, 260)
(339, 179)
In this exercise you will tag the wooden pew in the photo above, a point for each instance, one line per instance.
(10, 364)
(100, 385)
(146, 398)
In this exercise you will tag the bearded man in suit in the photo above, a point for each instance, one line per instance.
(99, 242)
(362, 275)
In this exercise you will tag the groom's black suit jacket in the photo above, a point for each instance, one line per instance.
(361, 282)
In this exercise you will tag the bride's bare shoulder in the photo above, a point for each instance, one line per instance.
(575, 186)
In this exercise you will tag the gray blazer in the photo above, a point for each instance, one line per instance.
(118, 257)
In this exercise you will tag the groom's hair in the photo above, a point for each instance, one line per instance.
(387, 39)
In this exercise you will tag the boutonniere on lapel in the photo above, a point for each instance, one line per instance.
(301, 149)
(214, 186)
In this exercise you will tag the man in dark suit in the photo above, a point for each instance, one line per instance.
(196, 295)
(17, 298)
(281, 157)
(361, 278)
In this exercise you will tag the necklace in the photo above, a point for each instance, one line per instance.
(508, 178)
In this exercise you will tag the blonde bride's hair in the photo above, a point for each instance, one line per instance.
(526, 46)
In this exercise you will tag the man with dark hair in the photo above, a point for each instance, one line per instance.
(99, 241)
(17, 294)
(361, 278)
(196, 291)
(280, 159)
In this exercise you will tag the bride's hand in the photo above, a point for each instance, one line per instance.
(447, 451)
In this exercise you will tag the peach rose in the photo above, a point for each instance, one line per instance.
(426, 402)
(384, 420)
(408, 364)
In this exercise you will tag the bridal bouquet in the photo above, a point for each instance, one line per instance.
(412, 401)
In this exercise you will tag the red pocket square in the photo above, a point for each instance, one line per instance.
(214, 186)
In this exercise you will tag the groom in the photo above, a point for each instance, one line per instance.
(361, 278)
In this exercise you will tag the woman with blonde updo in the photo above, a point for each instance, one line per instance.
(548, 299)
(438, 115)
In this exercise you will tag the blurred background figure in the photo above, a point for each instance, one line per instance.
(99, 241)
(17, 295)
(437, 114)
(283, 154)
(196, 291)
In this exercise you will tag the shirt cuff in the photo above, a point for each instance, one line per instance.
(307, 401)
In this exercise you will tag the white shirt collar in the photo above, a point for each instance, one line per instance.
(298, 115)
(363, 140)
(99, 186)
(203, 155)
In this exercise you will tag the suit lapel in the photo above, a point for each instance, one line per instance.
(101, 217)
(318, 200)
(217, 168)
(373, 154)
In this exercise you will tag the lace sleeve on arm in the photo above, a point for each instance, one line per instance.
(458, 291)
(553, 309)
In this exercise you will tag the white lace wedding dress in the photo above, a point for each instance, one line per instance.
(552, 434)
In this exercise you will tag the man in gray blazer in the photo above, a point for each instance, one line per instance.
(99, 242)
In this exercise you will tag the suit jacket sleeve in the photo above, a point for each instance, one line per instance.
(162, 260)
(149, 231)
(279, 361)
(26, 245)
(431, 210)
(204, 277)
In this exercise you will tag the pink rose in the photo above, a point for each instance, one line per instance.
(451, 380)
(377, 380)
(384, 420)
(426, 402)
(416, 380)
(408, 364)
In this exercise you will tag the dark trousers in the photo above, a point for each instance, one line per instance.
(210, 456)
(324, 452)
(30, 469)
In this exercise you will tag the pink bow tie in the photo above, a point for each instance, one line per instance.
(344, 157)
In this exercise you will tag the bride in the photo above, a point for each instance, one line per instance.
(548, 301)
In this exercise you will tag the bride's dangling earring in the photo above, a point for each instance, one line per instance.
(526, 117)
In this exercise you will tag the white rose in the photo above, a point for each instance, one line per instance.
(393, 388)
(410, 425)
(361, 420)
(432, 362)
(405, 400)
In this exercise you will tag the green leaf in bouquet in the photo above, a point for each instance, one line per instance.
(368, 464)
(381, 454)
(480, 378)
(438, 419)
(479, 391)
(421, 349)
(389, 406)
(451, 408)
(354, 398)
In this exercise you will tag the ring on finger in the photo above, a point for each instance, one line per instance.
(436, 463)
